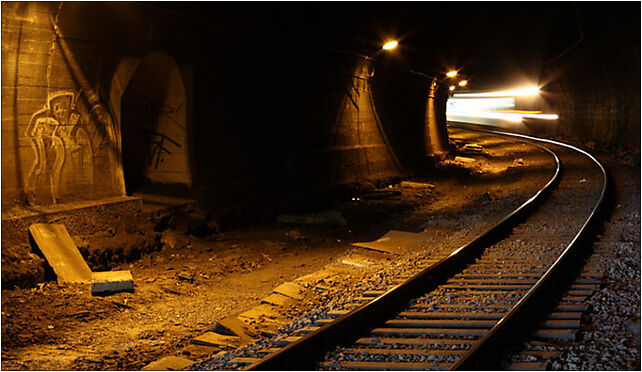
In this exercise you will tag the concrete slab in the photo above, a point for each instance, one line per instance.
(355, 263)
(61, 252)
(358, 260)
(233, 326)
(168, 363)
(217, 339)
(199, 352)
(259, 313)
(277, 299)
(396, 242)
(464, 159)
(315, 276)
(291, 290)
(109, 282)
(264, 318)
(417, 185)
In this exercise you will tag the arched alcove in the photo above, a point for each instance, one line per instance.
(153, 126)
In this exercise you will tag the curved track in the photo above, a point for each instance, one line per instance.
(468, 307)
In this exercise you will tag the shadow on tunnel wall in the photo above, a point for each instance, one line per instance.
(400, 98)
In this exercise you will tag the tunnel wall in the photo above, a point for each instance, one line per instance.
(266, 123)
(59, 142)
(594, 87)
(400, 98)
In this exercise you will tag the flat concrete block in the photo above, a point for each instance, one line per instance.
(315, 276)
(474, 147)
(199, 352)
(291, 290)
(358, 260)
(61, 252)
(233, 326)
(396, 242)
(168, 363)
(464, 159)
(261, 311)
(417, 185)
(277, 299)
(263, 317)
(109, 282)
(217, 339)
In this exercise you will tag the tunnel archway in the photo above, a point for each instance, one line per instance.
(154, 135)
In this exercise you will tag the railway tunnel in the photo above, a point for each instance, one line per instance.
(231, 176)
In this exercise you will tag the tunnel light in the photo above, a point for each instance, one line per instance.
(530, 91)
(452, 87)
(463, 83)
(452, 73)
(390, 45)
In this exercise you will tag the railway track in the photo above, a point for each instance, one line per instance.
(523, 277)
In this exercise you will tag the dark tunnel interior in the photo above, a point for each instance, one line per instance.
(184, 160)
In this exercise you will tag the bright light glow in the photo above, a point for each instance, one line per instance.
(480, 104)
(519, 111)
(390, 45)
(514, 117)
(452, 73)
(490, 110)
(452, 87)
(530, 91)
(541, 116)
(463, 83)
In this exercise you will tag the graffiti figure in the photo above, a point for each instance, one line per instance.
(56, 137)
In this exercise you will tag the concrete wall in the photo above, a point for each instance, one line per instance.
(251, 121)
(595, 85)
(59, 141)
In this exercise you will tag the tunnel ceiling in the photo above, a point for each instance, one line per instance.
(493, 43)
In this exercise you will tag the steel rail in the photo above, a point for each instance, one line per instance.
(533, 307)
(305, 352)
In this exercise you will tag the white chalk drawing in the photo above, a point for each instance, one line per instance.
(70, 145)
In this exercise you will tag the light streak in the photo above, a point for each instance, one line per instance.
(531, 91)
(481, 110)
(509, 116)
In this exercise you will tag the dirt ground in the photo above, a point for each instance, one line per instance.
(182, 289)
